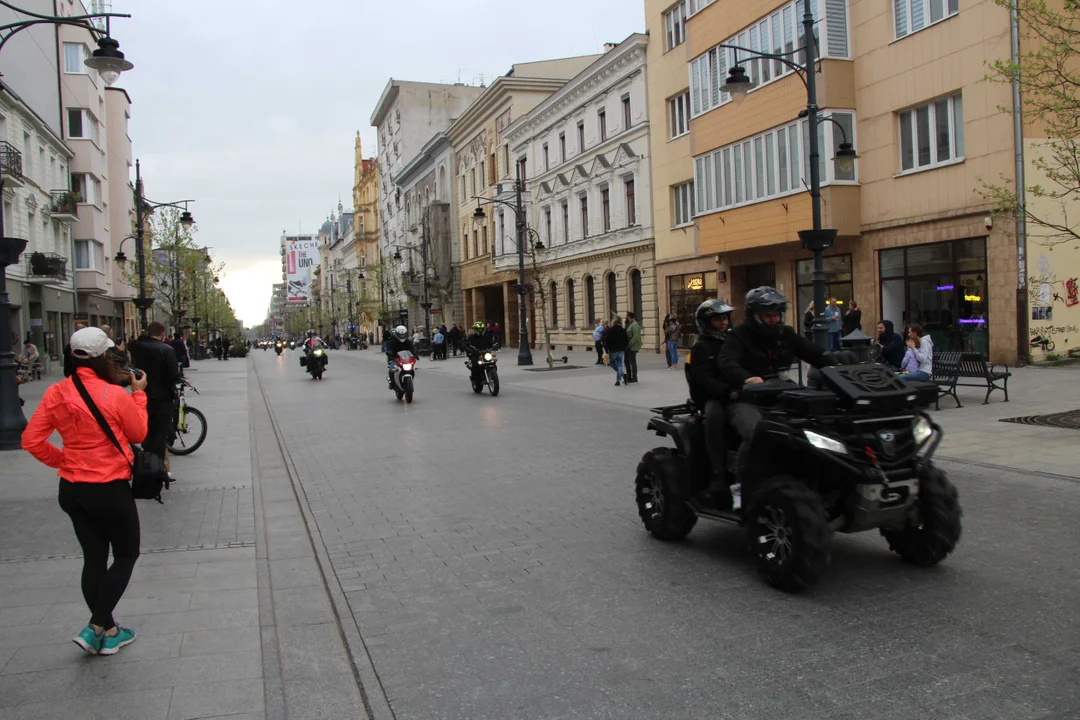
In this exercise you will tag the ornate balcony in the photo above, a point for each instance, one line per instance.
(48, 266)
(11, 165)
(64, 205)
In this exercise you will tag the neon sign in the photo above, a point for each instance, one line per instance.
(973, 298)
(695, 283)
(972, 321)
(943, 288)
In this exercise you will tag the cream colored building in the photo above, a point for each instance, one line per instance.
(905, 80)
(366, 232)
(586, 150)
(486, 167)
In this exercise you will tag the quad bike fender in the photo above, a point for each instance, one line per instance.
(663, 428)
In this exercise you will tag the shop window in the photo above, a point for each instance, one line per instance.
(838, 284)
(685, 293)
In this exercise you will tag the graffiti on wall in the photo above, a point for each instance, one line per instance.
(1053, 301)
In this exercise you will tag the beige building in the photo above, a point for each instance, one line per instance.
(366, 231)
(485, 167)
(905, 84)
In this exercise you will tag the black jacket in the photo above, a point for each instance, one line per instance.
(703, 373)
(394, 346)
(616, 339)
(747, 353)
(892, 345)
(480, 341)
(158, 361)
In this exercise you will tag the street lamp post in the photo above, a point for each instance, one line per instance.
(109, 62)
(817, 239)
(524, 353)
(426, 304)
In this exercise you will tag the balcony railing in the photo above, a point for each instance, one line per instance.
(65, 203)
(10, 160)
(47, 265)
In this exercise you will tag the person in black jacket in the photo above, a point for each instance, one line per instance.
(396, 343)
(708, 388)
(157, 359)
(481, 338)
(762, 346)
(891, 344)
(180, 349)
(615, 342)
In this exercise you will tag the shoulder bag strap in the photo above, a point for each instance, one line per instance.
(96, 413)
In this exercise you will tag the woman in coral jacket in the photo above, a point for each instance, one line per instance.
(95, 487)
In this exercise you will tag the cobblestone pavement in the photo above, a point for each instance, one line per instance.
(490, 553)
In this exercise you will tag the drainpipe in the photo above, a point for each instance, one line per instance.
(1022, 347)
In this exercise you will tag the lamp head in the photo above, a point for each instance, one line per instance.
(737, 83)
(479, 214)
(120, 259)
(108, 60)
(186, 220)
(845, 158)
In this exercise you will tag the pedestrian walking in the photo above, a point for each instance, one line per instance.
(180, 348)
(852, 319)
(95, 489)
(672, 333)
(598, 341)
(453, 338)
(438, 345)
(225, 344)
(633, 332)
(151, 355)
(832, 322)
(615, 342)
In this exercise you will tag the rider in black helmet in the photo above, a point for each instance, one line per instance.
(762, 346)
(708, 388)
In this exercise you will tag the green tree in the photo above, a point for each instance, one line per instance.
(1048, 72)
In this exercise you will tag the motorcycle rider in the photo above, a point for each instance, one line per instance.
(479, 339)
(761, 346)
(313, 341)
(397, 342)
(708, 387)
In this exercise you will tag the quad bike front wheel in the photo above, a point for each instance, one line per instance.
(789, 532)
(664, 515)
(929, 538)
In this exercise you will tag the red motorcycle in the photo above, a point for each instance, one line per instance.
(403, 375)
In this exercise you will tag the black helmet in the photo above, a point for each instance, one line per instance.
(761, 300)
(707, 311)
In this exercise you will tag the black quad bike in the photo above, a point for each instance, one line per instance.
(852, 452)
(483, 371)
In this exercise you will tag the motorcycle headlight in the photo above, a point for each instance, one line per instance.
(318, 353)
(922, 430)
(488, 357)
(824, 442)
(407, 366)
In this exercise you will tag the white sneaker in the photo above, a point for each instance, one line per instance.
(736, 496)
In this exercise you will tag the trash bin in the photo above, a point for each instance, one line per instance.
(859, 343)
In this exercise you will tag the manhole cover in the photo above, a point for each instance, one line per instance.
(555, 367)
(1067, 420)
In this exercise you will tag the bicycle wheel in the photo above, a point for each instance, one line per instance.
(185, 442)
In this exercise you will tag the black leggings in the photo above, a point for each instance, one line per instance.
(103, 514)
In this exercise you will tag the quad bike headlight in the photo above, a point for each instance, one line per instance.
(922, 430)
(824, 442)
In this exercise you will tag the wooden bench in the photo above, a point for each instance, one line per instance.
(950, 367)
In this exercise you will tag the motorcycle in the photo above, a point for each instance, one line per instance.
(403, 375)
(315, 361)
(292, 344)
(483, 371)
(852, 454)
(278, 347)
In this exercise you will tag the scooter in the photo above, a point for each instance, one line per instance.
(403, 375)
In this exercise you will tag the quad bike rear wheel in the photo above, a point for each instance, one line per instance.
(662, 511)
(789, 532)
(929, 539)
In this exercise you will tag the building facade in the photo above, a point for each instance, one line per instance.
(369, 298)
(908, 89)
(486, 168)
(585, 150)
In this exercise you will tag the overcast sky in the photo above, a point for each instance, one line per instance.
(252, 108)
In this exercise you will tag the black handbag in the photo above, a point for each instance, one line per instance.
(148, 474)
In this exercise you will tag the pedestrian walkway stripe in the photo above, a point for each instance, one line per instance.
(144, 551)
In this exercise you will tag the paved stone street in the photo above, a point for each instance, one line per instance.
(472, 557)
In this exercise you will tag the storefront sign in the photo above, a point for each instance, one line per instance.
(972, 298)
(943, 288)
(695, 283)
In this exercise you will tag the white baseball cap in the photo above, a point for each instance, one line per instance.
(90, 342)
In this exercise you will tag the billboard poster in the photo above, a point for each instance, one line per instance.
(301, 257)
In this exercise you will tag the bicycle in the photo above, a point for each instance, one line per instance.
(189, 424)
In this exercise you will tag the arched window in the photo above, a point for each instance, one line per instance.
(553, 290)
(590, 299)
(635, 293)
(571, 305)
(612, 298)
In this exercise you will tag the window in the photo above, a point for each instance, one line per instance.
(82, 125)
(565, 221)
(635, 294)
(769, 165)
(464, 195)
(581, 136)
(547, 164)
(506, 159)
(86, 186)
(571, 304)
(482, 174)
(605, 206)
(601, 119)
(627, 119)
(584, 201)
(547, 226)
(932, 134)
(631, 207)
(75, 55)
(679, 115)
(590, 298)
(483, 239)
(472, 180)
(553, 291)
(492, 169)
(562, 147)
(913, 15)
(682, 203)
(89, 255)
(674, 29)
(521, 171)
(612, 296)
(776, 33)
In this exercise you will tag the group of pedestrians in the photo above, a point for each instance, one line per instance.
(618, 346)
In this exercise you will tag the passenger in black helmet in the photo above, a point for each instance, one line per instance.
(708, 388)
(762, 346)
